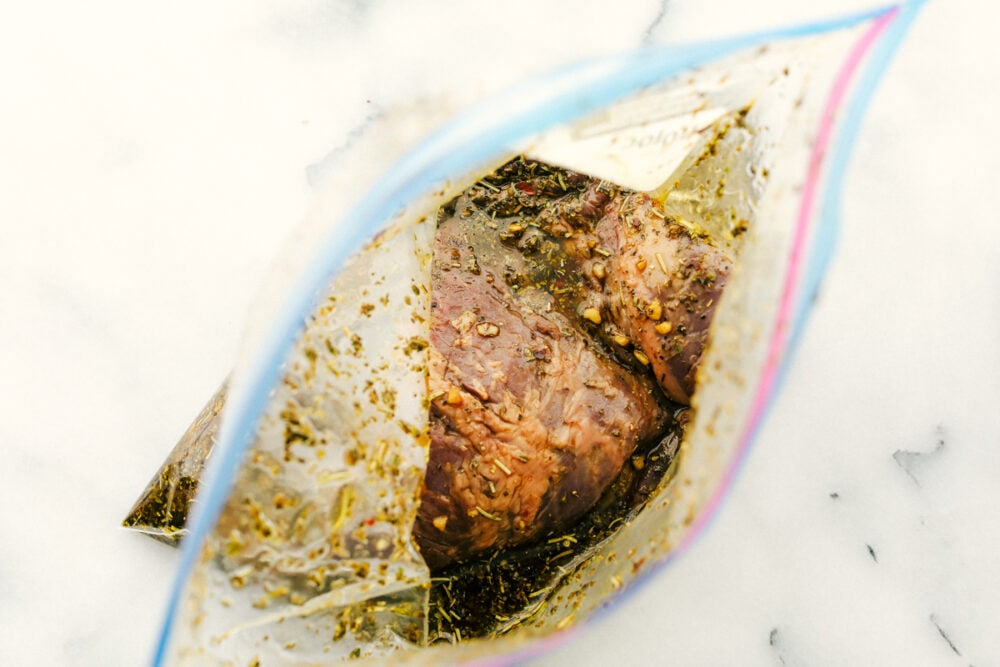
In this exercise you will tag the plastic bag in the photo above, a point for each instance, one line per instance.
(300, 546)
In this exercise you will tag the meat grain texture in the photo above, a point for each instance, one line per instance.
(566, 314)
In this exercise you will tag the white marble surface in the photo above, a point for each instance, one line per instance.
(152, 156)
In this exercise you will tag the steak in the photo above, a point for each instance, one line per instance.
(568, 318)
(664, 280)
(553, 297)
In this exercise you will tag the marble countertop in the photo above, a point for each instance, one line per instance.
(153, 157)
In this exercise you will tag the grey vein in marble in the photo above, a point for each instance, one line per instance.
(944, 635)
(661, 14)
(913, 462)
(317, 171)
(317, 23)
(774, 641)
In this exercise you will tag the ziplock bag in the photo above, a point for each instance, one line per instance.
(300, 548)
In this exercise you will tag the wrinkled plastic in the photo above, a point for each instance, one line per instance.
(299, 549)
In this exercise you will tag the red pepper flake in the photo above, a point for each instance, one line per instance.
(370, 522)
(525, 187)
